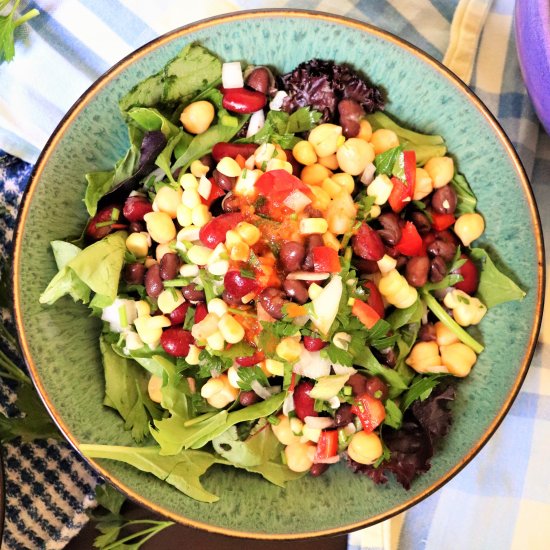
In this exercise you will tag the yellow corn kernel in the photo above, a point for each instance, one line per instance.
(138, 244)
(169, 300)
(233, 376)
(365, 130)
(458, 358)
(200, 215)
(199, 254)
(205, 187)
(354, 155)
(274, 367)
(424, 358)
(133, 341)
(239, 252)
(441, 170)
(208, 326)
(184, 215)
(345, 181)
(198, 169)
(149, 261)
(386, 264)
(245, 185)
(217, 306)
(191, 198)
(299, 456)
(383, 139)
(365, 448)
(304, 153)
(330, 162)
(325, 139)
(289, 350)
(397, 291)
(192, 357)
(309, 226)
(167, 200)
(143, 309)
(188, 181)
(315, 174)
(197, 117)
(154, 388)
(219, 392)
(444, 336)
(278, 164)
(160, 226)
(189, 233)
(469, 227)
(283, 431)
(331, 187)
(380, 188)
(150, 328)
(248, 233)
(163, 249)
(218, 263)
(232, 238)
(216, 341)
(339, 222)
(331, 241)
(229, 167)
(310, 434)
(374, 212)
(321, 199)
(423, 185)
(232, 331)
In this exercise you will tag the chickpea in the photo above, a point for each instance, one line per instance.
(304, 153)
(469, 227)
(365, 448)
(315, 174)
(344, 180)
(423, 185)
(441, 170)
(229, 167)
(138, 244)
(424, 357)
(444, 336)
(299, 456)
(197, 117)
(160, 226)
(458, 358)
(354, 155)
(283, 431)
(167, 200)
(382, 140)
(168, 301)
(325, 139)
(365, 130)
(330, 162)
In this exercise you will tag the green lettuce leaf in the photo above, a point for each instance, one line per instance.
(150, 119)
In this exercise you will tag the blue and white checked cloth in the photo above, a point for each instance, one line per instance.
(502, 499)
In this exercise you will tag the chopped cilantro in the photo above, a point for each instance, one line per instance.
(247, 375)
(247, 273)
(212, 365)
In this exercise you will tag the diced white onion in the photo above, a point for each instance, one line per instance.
(205, 187)
(111, 314)
(334, 402)
(319, 422)
(288, 404)
(232, 75)
(312, 365)
(329, 460)
(277, 101)
(368, 173)
(297, 201)
(260, 390)
(190, 233)
(307, 276)
(256, 123)
(341, 369)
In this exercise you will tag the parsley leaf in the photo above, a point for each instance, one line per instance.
(421, 388)
(8, 24)
(385, 162)
(248, 375)
(338, 355)
(212, 365)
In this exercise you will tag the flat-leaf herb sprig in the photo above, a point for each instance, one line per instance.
(8, 23)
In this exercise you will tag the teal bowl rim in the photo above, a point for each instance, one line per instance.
(210, 22)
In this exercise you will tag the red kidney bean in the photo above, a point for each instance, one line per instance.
(169, 266)
(296, 166)
(427, 333)
(136, 227)
(367, 244)
(470, 276)
(421, 222)
(367, 267)
(376, 387)
(259, 79)
(291, 255)
(237, 285)
(136, 207)
(103, 216)
(319, 469)
(438, 269)
(225, 182)
(153, 281)
(311, 212)
(213, 233)
(312, 242)
(250, 360)
(444, 200)
(391, 232)
(272, 300)
(134, 273)
(358, 383)
(343, 415)
(296, 290)
(225, 149)
(201, 311)
(176, 341)
(192, 294)
(375, 298)
(247, 398)
(243, 101)
(303, 403)
(416, 271)
(231, 299)
(231, 203)
(312, 343)
(177, 317)
(350, 115)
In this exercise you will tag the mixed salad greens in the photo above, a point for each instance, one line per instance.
(284, 276)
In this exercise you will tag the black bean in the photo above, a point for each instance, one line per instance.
(136, 227)
(343, 415)
(153, 281)
(391, 232)
(225, 182)
(350, 112)
(259, 79)
(296, 290)
(191, 294)
(319, 469)
(208, 160)
(231, 203)
(438, 269)
(291, 255)
(416, 271)
(421, 222)
(170, 264)
(427, 333)
(444, 200)
(247, 398)
(272, 300)
(312, 242)
(134, 273)
(445, 249)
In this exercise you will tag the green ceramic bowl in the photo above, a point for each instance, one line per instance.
(60, 342)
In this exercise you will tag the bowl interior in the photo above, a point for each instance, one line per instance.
(61, 341)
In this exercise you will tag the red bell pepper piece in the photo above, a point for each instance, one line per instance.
(214, 231)
(369, 410)
(200, 312)
(442, 221)
(327, 445)
(325, 260)
(403, 191)
(375, 298)
(365, 313)
(409, 167)
(215, 193)
(411, 242)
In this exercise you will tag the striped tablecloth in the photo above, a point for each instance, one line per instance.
(502, 499)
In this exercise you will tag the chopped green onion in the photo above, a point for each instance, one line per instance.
(273, 420)
(176, 282)
(122, 316)
(115, 213)
(348, 390)
(228, 120)
(104, 224)
(174, 293)
(244, 172)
